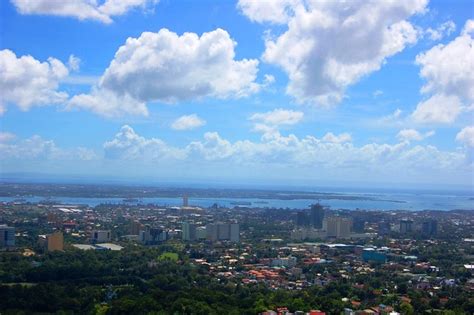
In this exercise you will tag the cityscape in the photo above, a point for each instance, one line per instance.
(237, 157)
(316, 260)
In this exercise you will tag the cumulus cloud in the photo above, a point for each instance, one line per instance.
(466, 136)
(26, 81)
(303, 152)
(330, 45)
(166, 67)
(343, 137)
(128, 145)
(413, 135)
(269, 123)
(102, 11)
(278, 117)
(188, 122)
(439, 108)
(448, 71)
(74, 63)
(445, 29)
(37, 148)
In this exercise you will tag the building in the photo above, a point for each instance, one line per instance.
(100, 236)
(317, 216)
(188, 231)
(223, 232)
(7, 236)
(185, 201)
(372, 255)
(287, 262)
(201, 233)
(406, 226)
(358, 225)
(384, 228)
(429, 228)
(338, 227)
(55, 241)
(302, 218)
(234, 233)
(135, 227)
(152, 236)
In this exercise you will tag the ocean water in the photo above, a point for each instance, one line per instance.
(377, 201)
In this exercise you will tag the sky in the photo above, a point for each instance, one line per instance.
(296, 92)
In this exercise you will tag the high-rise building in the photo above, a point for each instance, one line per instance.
(358, 225)
(135, 227)
(223, 232)
(185, 201)
(302, 218)
(384, 228)
(429, 228)
(211, 232)
(235, 232)
(317, 216)
(188, 231)
(7, 236)
(338, 227)
(406, 226)
(101, 236)
(55, 241)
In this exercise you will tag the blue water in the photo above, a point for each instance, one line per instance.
(405, 201)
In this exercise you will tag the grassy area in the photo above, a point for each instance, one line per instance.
(169, 256)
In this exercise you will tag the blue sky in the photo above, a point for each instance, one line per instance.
(289, 91)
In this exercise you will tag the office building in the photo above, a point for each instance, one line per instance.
(185, 201)
(7, 236)
(101, 236)
(55, 241)
(188, 231)
(372, 255)
(201, 233)
(235, 233)
(316, 216)
(135, 227)
(384, 228)
(358, 225)
(338, 227)
(152, 236)
(302, 219)
(406, 226)
(223, 232)
(429, 228)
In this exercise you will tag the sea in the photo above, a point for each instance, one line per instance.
(382, 200)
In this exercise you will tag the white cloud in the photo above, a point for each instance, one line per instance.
(128, 145)
(74, 63)
(413, 135)
(273, 11)
(331, 45)
(7, 136)
(278, 117)
(108, 103)
(269, 123)
(445, 29)
(448, 71)
(308, 153)
(27, 82)
(37, 148)
(343, 137)
(188, 122)
(166, 67)
(439, 108)
(102, 11)
(466, 136)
